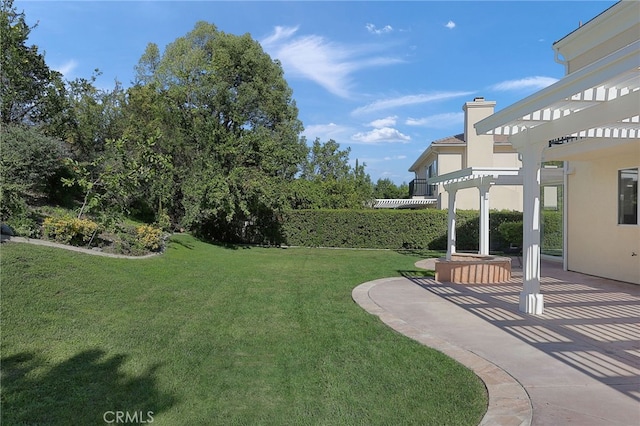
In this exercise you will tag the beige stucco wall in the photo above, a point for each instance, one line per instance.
(596, 244)
(500, 198)
(449, 161)
(506, 197)
(479, 147)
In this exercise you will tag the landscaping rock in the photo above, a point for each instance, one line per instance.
(6, 230)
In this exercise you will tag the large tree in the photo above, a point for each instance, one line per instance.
(30, 92)
(93, 116)
(386, 188)
(327, 180)
(228, 123)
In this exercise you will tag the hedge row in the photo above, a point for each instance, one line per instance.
(552, 239)
(391, 229)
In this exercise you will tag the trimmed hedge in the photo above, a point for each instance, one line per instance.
(390, 229)
(551, 230)
(405, 229)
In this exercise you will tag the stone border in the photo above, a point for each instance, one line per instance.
(7, 238)
(509, 403)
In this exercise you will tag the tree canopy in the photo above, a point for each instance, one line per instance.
(30, 92)
(207, 137)
(228, 123)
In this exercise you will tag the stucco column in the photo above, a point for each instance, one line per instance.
(531, 300)
(484, 217)
(451, 220)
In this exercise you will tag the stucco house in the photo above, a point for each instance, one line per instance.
(458, 152)
(589, 120)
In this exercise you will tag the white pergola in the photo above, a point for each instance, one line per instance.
(596, 107)
(482, 178)
(403, 203)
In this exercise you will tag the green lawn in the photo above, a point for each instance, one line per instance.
(210, 335)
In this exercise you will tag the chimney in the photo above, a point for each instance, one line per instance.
(479, 147)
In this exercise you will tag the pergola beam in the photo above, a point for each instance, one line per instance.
(609, 68)
(599, 115)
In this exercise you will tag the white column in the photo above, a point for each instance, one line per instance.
(531, 301)
(484, 217)
(451, 220)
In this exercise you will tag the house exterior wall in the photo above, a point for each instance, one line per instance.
(506, 197)
(448, 162)
(477, 151)
(596, 244)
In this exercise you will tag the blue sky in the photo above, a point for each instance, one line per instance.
(384, 78)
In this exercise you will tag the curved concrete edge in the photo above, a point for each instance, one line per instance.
(509, 403)
(428, 264)
(7, 238)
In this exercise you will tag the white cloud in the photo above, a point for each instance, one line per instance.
(451, 25)
(327, 63)
(384, 122)
(535, 83)
(326, 132)
(439, 121)
(408, 100)
(279, 33)
(67, 68)
(385, 134)
(373, 30)
(371, 161)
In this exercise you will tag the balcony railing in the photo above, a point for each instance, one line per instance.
(420, 188)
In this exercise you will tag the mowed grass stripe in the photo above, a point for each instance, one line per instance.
(212, 335)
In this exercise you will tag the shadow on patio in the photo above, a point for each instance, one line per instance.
(589, 323)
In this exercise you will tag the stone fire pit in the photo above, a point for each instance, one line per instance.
(468, 268)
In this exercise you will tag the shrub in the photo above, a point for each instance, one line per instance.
(149, 237)
(69, 230)
(511, 232)
(25, 226)
(27, 160)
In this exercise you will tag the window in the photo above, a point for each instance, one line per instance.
(628, 197)
(432, 171)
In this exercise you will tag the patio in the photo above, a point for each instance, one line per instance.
(579, 362)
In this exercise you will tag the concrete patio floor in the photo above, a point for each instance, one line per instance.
(577, 364)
